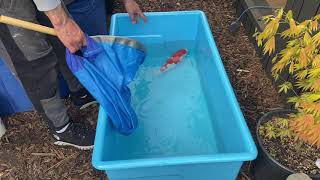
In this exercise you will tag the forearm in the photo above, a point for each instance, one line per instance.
(67, 30)
(57, 16)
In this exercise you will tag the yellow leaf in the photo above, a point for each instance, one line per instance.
(286, 33)
(293, 29)
(291, 68)
(287, 54)
(316, 85)
(316, 38)
(307, 39)
(316, 61)
(293, 25)
(275, 76)
(278, 67)
(312, 96)
(274, 59)
(285, 87)
(302, 75)
(280, 13)
(259, 42)
(314, 72)
(269, 46)
(289, 15)
(266, 18)
(305, 23)
(271, 29)
(299, 29)
(276, 26)
(261, 37)
(317, 17)
(303, 58)
(314, 25)
(309, 48)
(292, 43)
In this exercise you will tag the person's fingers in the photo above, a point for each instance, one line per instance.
(76, 45)
(72, 49)
(73, 46)
(131, 15)
(141, 14)
(137, 17)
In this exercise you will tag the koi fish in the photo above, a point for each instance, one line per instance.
(174, 59)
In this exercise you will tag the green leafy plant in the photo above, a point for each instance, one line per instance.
(301, 59)
(279, 128)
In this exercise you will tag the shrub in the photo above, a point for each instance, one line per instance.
(301, 59)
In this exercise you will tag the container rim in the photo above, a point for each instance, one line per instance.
(250, 147)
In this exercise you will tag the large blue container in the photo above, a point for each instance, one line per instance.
(173, 147)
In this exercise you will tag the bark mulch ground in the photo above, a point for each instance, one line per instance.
(27, 153)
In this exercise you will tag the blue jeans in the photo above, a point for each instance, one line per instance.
(90, 15)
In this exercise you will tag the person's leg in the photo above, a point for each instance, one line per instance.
(79, 95)
(85, 13)
(73, 83)
(35, 63)
(33, 59)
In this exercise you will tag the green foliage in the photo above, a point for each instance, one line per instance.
(278, 128)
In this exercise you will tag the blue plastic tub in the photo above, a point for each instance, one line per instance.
(13, 97)
(190, 123)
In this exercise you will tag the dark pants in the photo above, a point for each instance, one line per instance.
(38, 58)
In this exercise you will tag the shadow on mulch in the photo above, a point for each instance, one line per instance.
(27, 153)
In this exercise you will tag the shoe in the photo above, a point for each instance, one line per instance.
(82, 99)
(76, 135)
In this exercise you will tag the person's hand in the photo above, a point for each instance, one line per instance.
(134, 11)
(71, 35)
(67, 30)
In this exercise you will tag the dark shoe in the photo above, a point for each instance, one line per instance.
(82, 99)
(76, 135)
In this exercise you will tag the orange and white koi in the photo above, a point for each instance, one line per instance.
(174, 59)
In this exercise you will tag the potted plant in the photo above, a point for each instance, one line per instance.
(289, 140)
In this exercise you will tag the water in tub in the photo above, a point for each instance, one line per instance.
(171, 108)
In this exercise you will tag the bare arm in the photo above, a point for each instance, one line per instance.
(67, 30)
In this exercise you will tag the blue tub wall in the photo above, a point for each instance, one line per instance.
(227, 118)
(218, 171)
